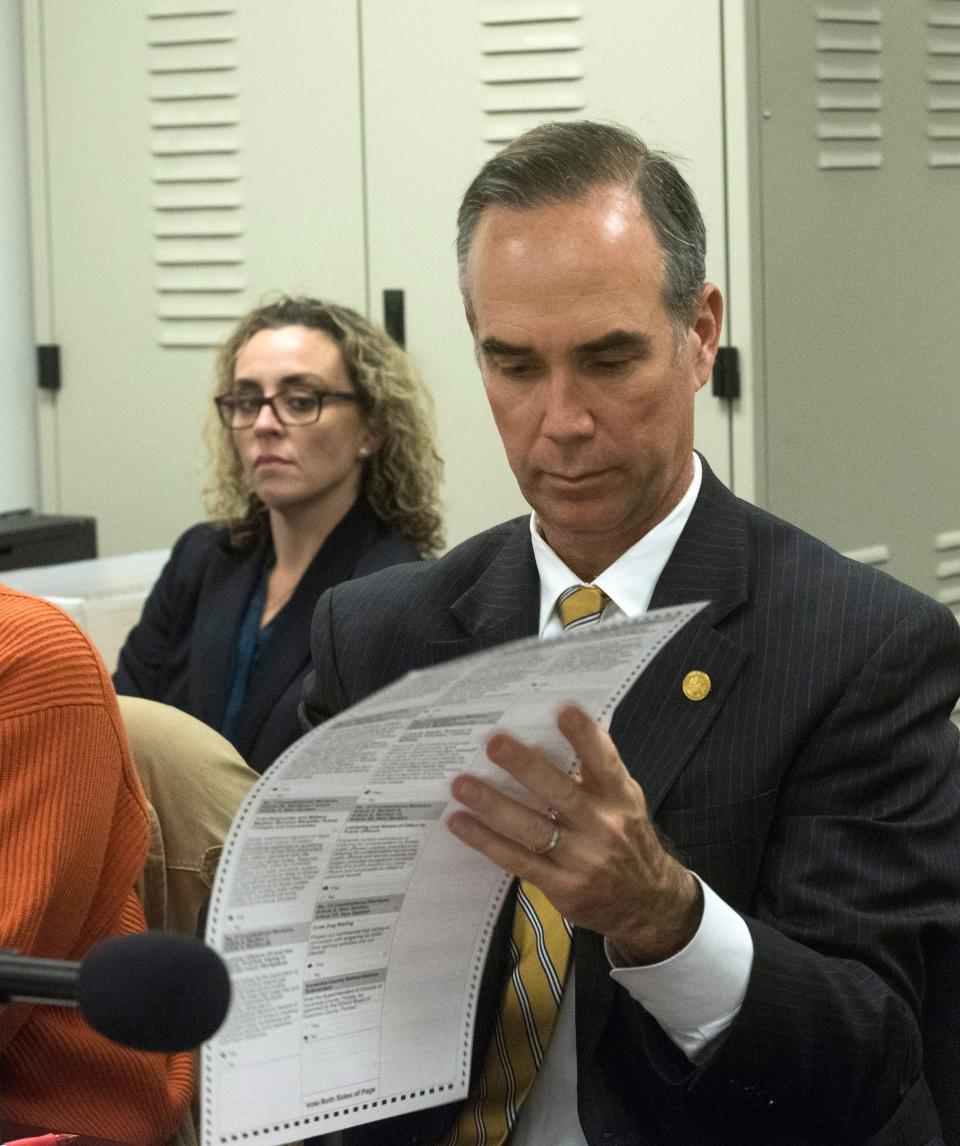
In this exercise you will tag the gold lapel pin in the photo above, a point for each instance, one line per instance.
(696, 685)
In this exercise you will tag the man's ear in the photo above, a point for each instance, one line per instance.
(705, 332)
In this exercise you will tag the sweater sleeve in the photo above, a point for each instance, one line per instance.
(73, 838)
(60, 771)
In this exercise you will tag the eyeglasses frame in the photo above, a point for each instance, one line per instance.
(323, 397)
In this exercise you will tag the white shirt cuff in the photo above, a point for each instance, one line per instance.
(696, 993)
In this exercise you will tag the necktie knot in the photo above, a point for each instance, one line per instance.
(581, 605)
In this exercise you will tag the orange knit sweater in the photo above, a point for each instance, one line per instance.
(73, 838)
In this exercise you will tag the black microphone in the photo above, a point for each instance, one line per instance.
(152, 991)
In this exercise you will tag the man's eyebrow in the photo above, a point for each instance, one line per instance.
(498, 346)
(632, 341)
(618, 340)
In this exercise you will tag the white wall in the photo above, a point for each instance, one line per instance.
(19, 481)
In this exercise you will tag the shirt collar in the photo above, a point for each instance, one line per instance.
(631, 579)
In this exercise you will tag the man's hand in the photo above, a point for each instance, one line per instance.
(607, 870)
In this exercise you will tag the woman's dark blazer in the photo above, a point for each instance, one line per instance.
(182, 650)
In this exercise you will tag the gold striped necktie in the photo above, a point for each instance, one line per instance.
(581, 605)
(539, 955)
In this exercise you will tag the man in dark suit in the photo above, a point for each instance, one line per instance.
(761, 861)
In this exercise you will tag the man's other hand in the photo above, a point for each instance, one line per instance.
(594, 853)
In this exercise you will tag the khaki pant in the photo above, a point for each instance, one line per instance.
(195, 781)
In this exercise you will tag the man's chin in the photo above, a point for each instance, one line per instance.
(583, 521)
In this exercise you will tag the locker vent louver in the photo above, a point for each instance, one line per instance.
(196, 174)
(531, 67)
(849, 97)
(947, 568)
(943, 84)
(870, 555)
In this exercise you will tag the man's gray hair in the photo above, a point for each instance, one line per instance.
(564, 163)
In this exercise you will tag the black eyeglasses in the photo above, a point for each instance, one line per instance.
(290, 407)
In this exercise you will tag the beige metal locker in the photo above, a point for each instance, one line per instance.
(445, 85)
(858, 114)
(190, 155)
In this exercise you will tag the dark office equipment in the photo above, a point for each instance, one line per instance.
(28, 538)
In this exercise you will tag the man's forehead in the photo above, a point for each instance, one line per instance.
(545, 305)
(565, 251)
(606, 217)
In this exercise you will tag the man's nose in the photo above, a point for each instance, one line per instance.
(565, 412)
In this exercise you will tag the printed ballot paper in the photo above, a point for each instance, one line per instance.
(353, 923)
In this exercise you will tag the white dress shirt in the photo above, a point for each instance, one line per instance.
(696, 993)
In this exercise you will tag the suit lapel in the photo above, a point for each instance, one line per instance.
(657, 727)
(502, 604)
(709, 561)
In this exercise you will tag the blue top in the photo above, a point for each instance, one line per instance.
(250, 643)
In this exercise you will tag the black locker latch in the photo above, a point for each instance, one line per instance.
(726, 373)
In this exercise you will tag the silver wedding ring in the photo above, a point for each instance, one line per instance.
(550, 844)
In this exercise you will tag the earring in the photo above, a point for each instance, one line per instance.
(363, 451)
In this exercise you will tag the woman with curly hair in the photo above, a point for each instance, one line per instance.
(324, 469)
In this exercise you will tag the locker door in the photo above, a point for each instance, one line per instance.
(198, 154)
(444, 86)
(860, 165)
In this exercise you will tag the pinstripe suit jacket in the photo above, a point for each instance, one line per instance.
(815, 789)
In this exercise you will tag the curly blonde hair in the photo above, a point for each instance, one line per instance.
(400, 480)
